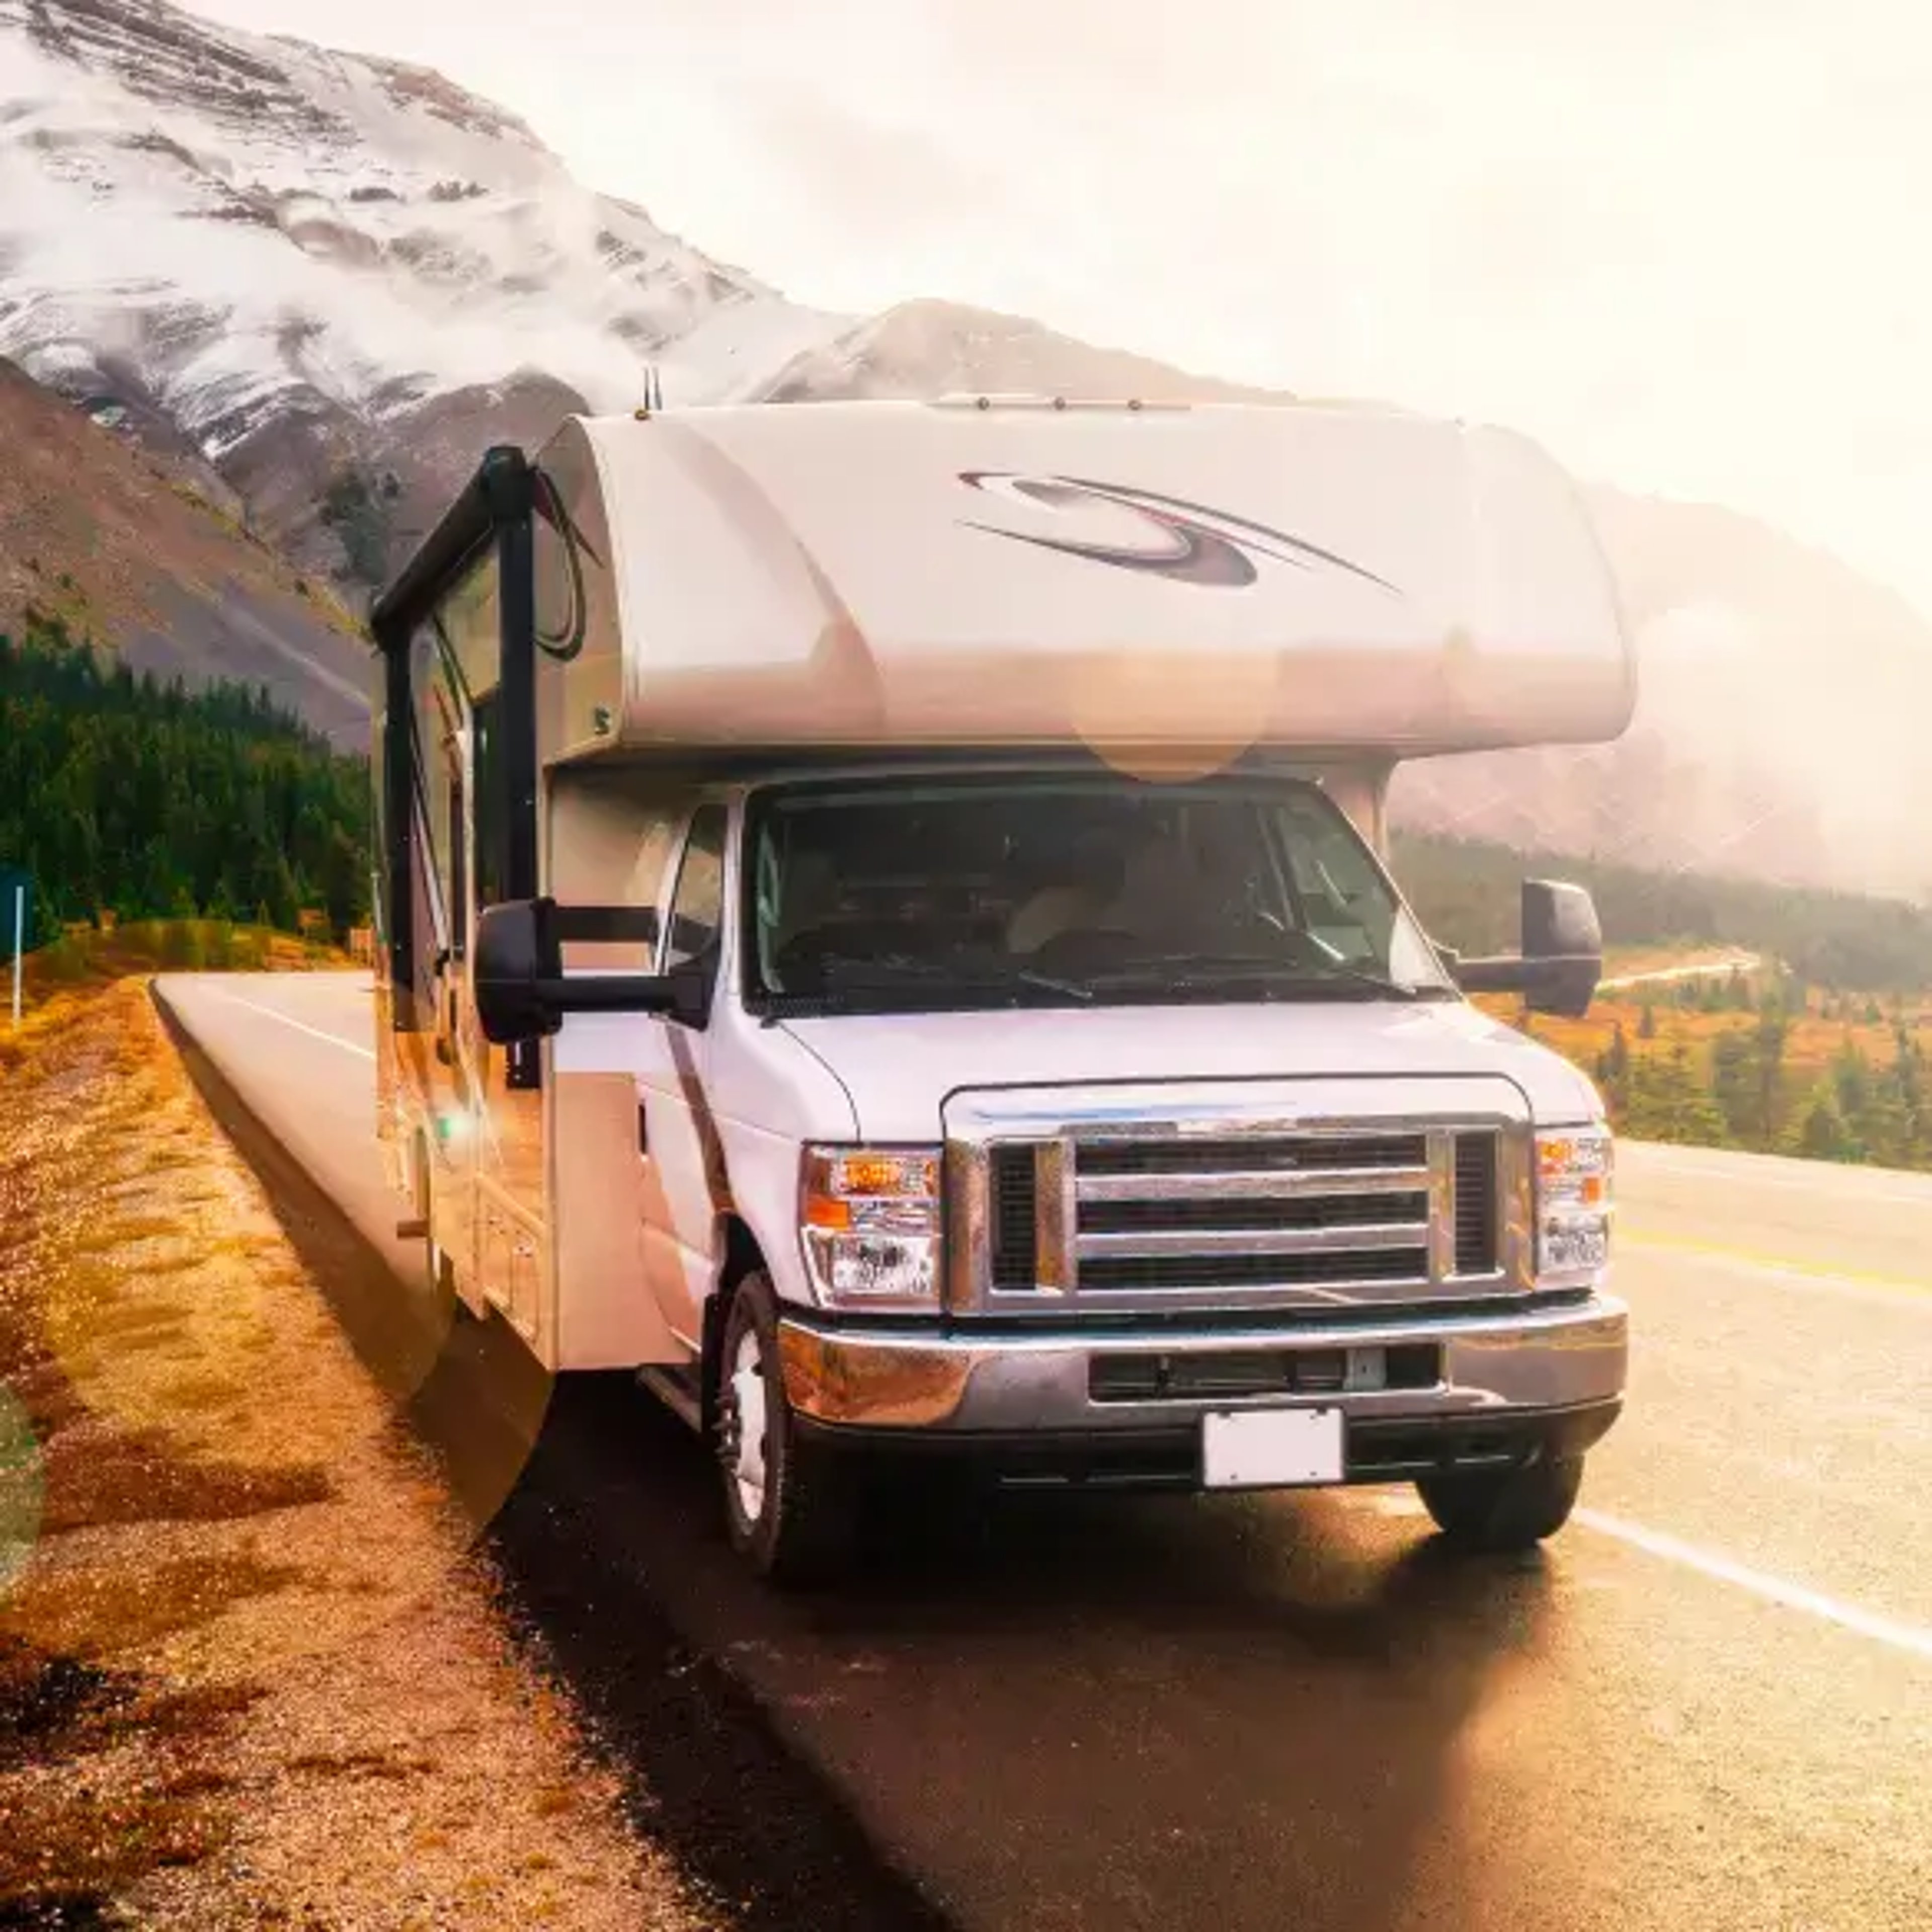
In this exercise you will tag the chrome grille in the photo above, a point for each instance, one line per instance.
(1189, 1216)
(1219, 1162)
(1139, 1219)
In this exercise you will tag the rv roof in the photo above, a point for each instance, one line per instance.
(990, 571)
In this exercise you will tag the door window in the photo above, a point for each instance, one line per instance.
(697, 905)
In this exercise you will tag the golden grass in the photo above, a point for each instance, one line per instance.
(78, 1316)
(103, 1476)
(96, 1613)
(366, 1764)
(245, 1617)
(76, 1848)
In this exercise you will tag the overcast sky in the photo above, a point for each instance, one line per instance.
(1683, 241)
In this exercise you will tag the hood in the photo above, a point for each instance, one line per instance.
(900, 1068)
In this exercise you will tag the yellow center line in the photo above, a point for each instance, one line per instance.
(1774, 1264)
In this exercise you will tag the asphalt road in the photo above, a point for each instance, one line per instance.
(1708, 1704)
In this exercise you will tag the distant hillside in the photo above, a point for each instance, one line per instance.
(1468, 893)
(120, 792)
(1780, 726)
(922, 349)
(96, 528)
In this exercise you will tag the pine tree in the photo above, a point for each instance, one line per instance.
(1768, 1043)
(1734, 1083)
(1821, 1133)
(1668, 1102)
(128, 794)
(1613, 1072)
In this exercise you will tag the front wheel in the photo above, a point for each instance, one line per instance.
(791, 1505)
(1504, 1509)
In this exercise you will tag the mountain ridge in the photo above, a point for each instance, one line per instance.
(313, 285)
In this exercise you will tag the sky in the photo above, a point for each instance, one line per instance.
(1683, 245)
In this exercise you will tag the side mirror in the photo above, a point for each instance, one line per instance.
(1562, 957)
(517, 978)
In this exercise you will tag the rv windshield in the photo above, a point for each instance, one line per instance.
(1030, 888)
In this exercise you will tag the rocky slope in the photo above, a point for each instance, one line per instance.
(93, 528)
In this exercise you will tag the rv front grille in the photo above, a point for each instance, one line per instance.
(1189, 1217)
(1319, 1220)
(1102, 1159)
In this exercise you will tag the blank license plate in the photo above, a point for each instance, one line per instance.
(1271, 1448)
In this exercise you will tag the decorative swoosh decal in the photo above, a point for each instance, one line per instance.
(1195, 545)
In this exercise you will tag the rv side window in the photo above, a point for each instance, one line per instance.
(698, 905)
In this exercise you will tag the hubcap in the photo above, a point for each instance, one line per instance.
(744, 1442)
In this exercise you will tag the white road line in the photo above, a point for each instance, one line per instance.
(1910, 1637)
(314, 1032)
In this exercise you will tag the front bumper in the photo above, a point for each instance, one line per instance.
(1497, 1388)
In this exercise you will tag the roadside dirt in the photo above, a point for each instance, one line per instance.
(250, 1673)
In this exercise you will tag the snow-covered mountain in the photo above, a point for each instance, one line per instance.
(313, 286)
(277, 259)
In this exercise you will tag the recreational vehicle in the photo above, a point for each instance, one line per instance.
(885, 932)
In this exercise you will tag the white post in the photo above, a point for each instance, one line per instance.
(20, 946)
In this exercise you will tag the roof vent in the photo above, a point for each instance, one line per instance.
(1133, 405)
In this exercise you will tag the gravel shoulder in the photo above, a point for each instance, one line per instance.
(252, 1672)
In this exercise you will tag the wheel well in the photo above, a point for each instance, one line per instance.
(743, 1257)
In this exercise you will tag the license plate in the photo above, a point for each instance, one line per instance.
(1272, 1448)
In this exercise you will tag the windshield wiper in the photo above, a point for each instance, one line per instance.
(1194, 968)
(980, 975)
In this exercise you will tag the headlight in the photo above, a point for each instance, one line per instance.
(872, 1225)
(1574, 1169)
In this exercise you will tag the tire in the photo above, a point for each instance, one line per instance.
(1504, 1510)
(792, 1506)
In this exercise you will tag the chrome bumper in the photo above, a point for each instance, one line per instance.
(907, 1381)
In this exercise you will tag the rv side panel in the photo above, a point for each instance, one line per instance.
(459, 834)
(608, 836)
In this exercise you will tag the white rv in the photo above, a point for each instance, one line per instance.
(884, 933)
